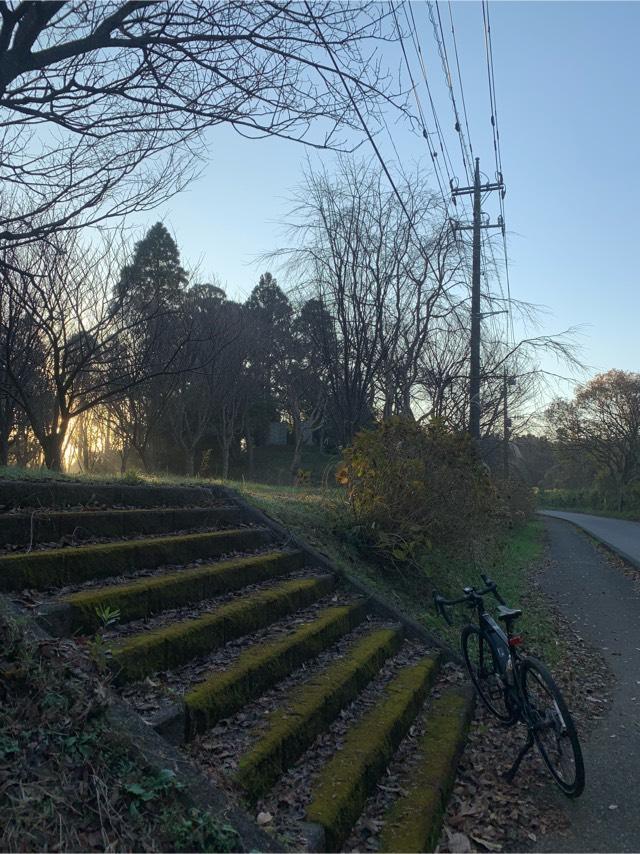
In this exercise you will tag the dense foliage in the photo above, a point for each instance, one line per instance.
(415, 488)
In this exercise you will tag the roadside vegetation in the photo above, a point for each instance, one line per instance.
(69, 781)
(590, 501)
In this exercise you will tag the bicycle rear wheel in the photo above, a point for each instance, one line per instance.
(553, 728)
(478, 657)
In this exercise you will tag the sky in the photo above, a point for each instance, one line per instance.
(567, 76)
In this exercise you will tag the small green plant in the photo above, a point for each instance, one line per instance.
(202, 832)
(100, 651)
(132, 478)
(151, 787)
(107, 615)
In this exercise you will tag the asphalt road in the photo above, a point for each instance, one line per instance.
(620, 535)
(604, 606)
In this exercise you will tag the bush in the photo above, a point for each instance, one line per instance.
(413, 488)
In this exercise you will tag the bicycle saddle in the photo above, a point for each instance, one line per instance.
(505, 613)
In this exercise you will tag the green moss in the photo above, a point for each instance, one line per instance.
(309, 710)
(262, 666)
(50, 526)
(414, 821)
(180, 642)
(57, 567)
(346, 780)
(147, 596)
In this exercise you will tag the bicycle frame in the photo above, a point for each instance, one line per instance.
(502, 659)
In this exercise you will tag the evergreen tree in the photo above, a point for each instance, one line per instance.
(155, 276)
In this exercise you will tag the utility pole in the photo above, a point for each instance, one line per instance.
(476, 315)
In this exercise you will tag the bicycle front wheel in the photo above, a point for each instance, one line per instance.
(553, 728)
(478, 657)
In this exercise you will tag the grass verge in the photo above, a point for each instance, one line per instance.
(320, 517)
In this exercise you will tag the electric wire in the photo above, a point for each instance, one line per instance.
(464, 104)
(438, 32)
(368, 133)
(425, 132)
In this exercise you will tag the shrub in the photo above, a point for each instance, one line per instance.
(412, 488)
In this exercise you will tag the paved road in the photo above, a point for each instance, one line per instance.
(619, 534)
(604, 606)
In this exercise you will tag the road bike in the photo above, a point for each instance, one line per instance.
(517, 688)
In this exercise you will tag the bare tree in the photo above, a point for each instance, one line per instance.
(103, 105)
(383, 273)
(74, 338)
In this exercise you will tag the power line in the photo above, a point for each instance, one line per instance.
(425, 133)
(413, 31)
(491, 78)
(438, 32)
(354, 104)
(464, 105)
(418, 49)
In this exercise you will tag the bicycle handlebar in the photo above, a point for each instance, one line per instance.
(470, 597)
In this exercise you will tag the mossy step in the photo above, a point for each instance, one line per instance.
(58, 567)
(261, 666)
(64, 493)
(414, 821)
(146, 596)
(310, 709)
(176, 644)
(39, 527)
(350, 776)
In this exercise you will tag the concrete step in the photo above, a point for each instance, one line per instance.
(66, 493)
(178, 643)
(414, 821)
(261, 666)
(350, 776)
(143, 597)
(21, 529)
(310, 709)
(49, 568)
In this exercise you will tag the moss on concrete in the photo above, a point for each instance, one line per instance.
(414, 821)
(57, 567)
(65, 493)
(178, 643)
(262, 666)
(146, 596)
(39, 527)
(309, 710)
(346, 781)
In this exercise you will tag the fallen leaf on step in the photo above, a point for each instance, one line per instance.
(459, 843)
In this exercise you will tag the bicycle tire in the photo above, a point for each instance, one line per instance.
(502, 710)
(558, 722)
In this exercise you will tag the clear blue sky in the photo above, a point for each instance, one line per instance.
(567, 81)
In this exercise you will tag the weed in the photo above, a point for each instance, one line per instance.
(107, 615)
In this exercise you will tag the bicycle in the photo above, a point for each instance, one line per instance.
(518, 688)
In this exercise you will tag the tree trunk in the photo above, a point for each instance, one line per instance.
(190, 461)
(250, 448)
(296, 462)
(4, 449)
(226, 445)
(124, 459)
(52, 447)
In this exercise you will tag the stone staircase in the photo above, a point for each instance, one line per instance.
(272, 672)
